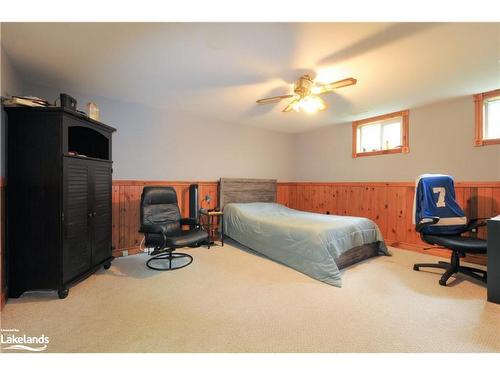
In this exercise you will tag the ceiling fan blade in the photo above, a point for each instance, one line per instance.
(274, 99)
(290, 106)
(334, 85)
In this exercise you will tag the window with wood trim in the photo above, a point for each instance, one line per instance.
(385, 134)
(487, 118)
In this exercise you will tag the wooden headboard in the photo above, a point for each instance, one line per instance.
(246, 190)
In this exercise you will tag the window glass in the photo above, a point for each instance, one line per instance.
(370, 138)
(380, 136)
(391, 135)
(492, 119)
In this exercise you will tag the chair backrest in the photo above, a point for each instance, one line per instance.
(159, 208)
(435, 196)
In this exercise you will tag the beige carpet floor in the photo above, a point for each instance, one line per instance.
(229, 300)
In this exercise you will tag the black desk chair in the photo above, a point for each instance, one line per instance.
(161, 224)
(441, 221)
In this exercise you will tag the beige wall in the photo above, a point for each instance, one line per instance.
(10, 81)
(10, 84)
(441, 141)
(163, 144)
(154, 143)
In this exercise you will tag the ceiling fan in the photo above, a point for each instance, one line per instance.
(305, 96)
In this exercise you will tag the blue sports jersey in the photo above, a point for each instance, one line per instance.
(435, 196)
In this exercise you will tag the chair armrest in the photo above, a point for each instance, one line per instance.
(473, 224)
(189, 221)
(155, 229)
(425, 222)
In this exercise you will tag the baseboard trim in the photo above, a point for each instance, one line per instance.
(131, 251)
(436, 251)
(483, 184)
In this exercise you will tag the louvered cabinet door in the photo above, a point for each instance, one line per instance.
(101, 216)
(76, 208)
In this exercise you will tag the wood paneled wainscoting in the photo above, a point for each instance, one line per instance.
(390, 205)
(126, 205)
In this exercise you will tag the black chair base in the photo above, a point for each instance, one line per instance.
(452, 268)
(168, 257)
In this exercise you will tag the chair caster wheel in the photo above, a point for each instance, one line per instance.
(107, 265)
(415, 268)
(63, 293)
(442, 282)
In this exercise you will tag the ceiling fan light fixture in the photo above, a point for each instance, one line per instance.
(310, 104)
(316, 90)
(306, 94)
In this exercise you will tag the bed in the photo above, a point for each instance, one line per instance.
(314, 244)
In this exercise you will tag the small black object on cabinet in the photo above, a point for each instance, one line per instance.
(58, 198)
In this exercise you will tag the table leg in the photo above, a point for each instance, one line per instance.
(209, 230)
(222, 230)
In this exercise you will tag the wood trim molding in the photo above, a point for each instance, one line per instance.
(131, 251)
(405, 148)
(478, 118)
(406, 132)
(488, 142)
(158, 182)
(492, 184)
(381, 152)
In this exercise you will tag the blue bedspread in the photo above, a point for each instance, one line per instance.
(307, 242)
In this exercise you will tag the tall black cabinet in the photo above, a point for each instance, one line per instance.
(58, 198)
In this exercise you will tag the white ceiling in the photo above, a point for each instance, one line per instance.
(218, 70)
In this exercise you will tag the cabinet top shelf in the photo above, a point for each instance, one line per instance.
(61, 110)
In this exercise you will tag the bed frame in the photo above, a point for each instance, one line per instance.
(248, 190)
(356, 255)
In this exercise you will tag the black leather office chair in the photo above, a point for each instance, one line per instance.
(161, 224)
(441, 221)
